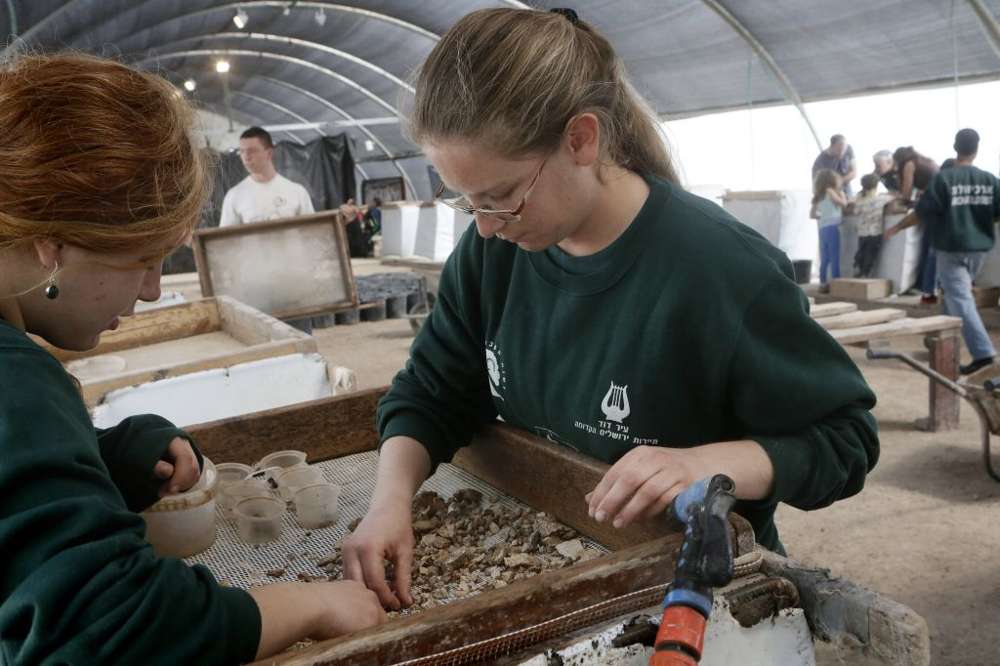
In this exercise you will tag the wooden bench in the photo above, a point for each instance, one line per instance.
(875, 328)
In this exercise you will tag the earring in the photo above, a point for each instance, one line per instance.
(52, 290)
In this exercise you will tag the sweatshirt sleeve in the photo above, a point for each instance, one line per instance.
(795, 391)
(442, 395)
(131, 450)
(79, 584)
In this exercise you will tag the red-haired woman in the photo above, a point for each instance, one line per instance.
(99, 180)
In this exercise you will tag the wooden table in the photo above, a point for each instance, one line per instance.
(876, 328)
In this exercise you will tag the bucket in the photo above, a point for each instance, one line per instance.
(184, 524)
(803, 270)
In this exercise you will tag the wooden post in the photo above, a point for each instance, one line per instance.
(943, 402)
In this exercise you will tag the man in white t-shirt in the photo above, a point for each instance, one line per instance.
(264, 194)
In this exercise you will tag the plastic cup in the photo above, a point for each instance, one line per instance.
(258, 519)
(184, 524)
(316, 505)
(232, 473)
(290, 480)
(232, 494)
(282, 459)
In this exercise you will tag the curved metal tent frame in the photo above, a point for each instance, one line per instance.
(249, 4)
(329, 105)
(790, 92)
(294, 41)
(687, 57)
(298, 61)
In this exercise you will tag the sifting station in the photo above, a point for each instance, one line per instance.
(197, 361)
(597, 611)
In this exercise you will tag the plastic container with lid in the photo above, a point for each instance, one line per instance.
(290, 480)
(233, 493)
(283, 459)
(232, 472)
(316, 505)
(184, 524)
(258, 519)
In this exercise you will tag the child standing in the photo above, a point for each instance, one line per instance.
(827, 203)
(870, 208)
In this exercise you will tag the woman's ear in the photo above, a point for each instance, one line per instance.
(583, 136)
(48, 252)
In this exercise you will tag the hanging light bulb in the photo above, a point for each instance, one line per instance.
(190, 85)
(241, 18)
(222, 66)
(320, 17)
(369, 145)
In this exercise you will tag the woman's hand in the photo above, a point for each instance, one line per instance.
(385, 533)
(290, 612)
(178, 468)
(643, 483)
(346, 606)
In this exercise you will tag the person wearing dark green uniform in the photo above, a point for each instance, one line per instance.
(84, 226)
(600, 305)
(960, 209)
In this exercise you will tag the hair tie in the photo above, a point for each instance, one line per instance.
(568, 13)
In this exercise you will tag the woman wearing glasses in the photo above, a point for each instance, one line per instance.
(601, 304)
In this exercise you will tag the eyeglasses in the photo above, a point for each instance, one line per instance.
(514, 215)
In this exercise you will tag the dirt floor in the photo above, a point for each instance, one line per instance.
(922, 532)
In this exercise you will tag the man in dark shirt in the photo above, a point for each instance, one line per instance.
(885, 168)
(839, 157)
(959, 209)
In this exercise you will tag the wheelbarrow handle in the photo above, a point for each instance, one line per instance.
(882, 353)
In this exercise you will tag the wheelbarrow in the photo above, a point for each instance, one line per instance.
(984, 399)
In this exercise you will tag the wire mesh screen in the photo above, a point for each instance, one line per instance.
(295, 554)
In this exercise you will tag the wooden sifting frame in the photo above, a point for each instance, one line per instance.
(265, 337)
(545, 476)
(332, 219)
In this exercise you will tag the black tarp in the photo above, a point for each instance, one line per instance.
(325, 167)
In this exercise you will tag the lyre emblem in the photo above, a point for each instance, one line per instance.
(615, 403)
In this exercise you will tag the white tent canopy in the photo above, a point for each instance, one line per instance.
(325, 67)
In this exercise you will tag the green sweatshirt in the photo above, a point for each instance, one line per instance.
(79, 584)
(961, 207)
(688, 329)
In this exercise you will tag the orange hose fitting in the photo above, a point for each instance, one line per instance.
(681, 627)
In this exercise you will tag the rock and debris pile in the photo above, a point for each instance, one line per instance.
(381, 286)
(464, 547)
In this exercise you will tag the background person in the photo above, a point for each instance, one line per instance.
(839, 158)
(827, 207)
(264, 194)
(885, 169)
(914, 172)
(959, 211)
(870, 209)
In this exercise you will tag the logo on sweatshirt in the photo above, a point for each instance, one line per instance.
(615, 404)
(616, 408)
(495, 369)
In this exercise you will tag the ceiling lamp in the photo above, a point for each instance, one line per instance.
(369, 145)
(222, 66)
(320, 17)
(190, 85)
(241, 18)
